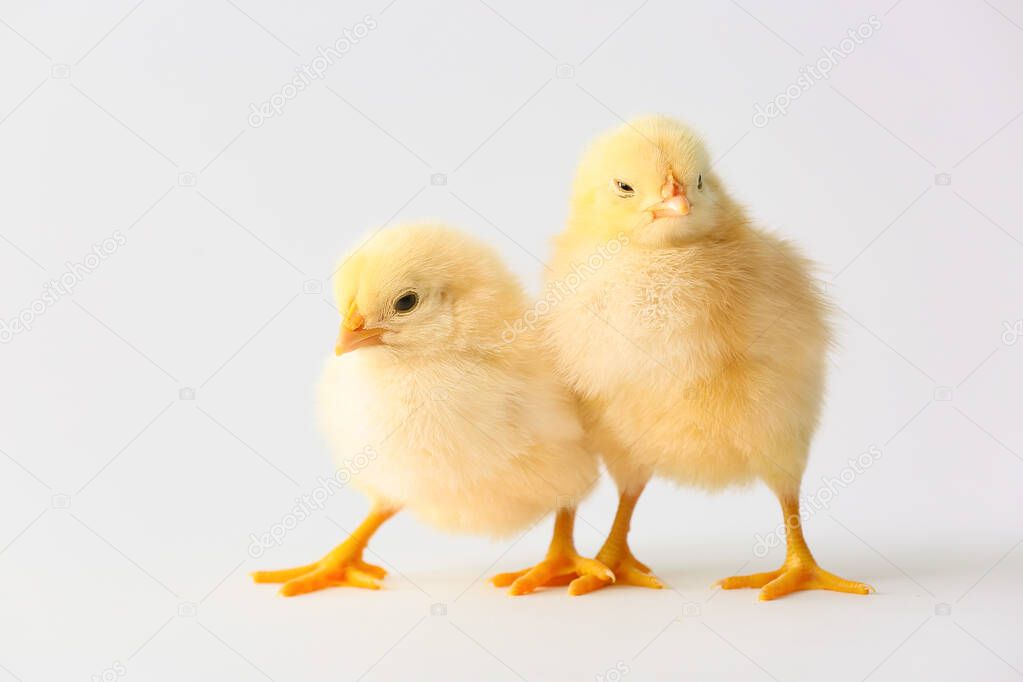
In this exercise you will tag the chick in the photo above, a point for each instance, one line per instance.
(695, 341)
(465, 427)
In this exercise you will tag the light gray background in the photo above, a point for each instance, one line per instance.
(127, 511)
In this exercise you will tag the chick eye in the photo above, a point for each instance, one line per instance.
(699, 182)
(623, 189)
(406, 302)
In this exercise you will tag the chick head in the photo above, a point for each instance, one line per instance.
(651, 179)
(421, 289)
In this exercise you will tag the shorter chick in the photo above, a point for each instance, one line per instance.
(464, 427)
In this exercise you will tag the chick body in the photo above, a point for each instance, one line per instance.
(468, 444)
(697, 343)
(466, 428)
(702, 363)
(431, 407)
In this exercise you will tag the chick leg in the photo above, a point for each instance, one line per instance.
(616, 555)
(800, 570)
(342, 566)
(561, 564)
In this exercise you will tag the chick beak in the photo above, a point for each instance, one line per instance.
(674, 204)
(354, 333)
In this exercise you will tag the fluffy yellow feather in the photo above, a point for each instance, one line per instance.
(467, 429)
(698, 348)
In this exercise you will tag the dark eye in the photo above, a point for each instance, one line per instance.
(406, 302)
(623, 189)
(699, 182)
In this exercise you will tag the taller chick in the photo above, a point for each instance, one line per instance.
(695, 340)
(456, 422)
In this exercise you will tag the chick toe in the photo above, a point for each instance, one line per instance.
(343, 566)
(800, 578)
(564, 569)
(586, 584)
(800, 570)
(562, 565)
(616, 555)
(371, 569)
(632, 575)
(753, 580)
(331, 573)
(284, 575)
(506, 579)
(627, 571)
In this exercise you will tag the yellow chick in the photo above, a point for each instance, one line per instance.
(695, 341)
(465, 427)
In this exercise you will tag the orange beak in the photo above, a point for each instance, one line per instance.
(354, 333)
(674, 204)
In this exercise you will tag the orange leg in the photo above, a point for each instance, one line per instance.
(561, 565)
(800, 570)
(616, 555)
(343, 566)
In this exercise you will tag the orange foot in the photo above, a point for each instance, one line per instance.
(793, 576)
(559, 568)
(342, 567)
(627, 569)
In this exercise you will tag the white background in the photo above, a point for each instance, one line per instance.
(127, 511)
